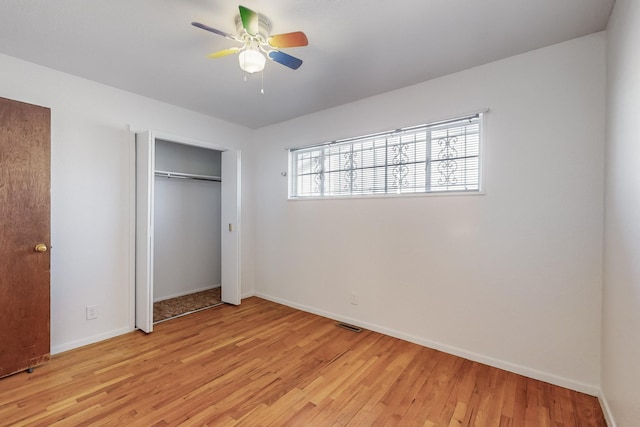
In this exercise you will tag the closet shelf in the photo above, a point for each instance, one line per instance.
(182, 175)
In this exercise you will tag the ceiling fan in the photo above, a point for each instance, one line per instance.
(253, 32)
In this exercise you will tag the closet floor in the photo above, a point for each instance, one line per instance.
(163, 310)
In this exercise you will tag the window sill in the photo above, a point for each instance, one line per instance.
(390, 196)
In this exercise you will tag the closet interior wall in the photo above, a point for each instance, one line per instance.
(187, 217)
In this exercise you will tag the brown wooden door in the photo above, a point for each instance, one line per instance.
(24, 224)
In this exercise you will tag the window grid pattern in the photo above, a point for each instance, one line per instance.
(438, 157)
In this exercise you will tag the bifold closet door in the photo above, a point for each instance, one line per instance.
(145, 167)
(230, 238)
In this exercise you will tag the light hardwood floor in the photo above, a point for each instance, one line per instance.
(265, 364)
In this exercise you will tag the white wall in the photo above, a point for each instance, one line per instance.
(91, 191)
(621, 292)
(512, 277)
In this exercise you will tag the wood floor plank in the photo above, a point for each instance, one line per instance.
(262, 364)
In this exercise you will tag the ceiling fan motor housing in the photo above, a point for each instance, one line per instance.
(264, 29)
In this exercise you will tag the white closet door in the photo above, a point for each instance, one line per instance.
(145, 166)
(231, 227)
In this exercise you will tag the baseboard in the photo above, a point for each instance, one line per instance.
(608, 415)
(89, 340)
(496, 363)
(181, 294)
(111, 334)
(248, 295)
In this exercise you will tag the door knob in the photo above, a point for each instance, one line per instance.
(41, 247)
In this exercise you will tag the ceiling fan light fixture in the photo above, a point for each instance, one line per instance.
(251, 60)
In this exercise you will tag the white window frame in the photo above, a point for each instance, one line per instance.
(421, 165)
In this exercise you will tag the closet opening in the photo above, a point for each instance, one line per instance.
(187, 234)
(187, 228)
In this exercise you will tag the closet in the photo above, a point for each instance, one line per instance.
(187, 221)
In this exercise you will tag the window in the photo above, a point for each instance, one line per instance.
(436, 157)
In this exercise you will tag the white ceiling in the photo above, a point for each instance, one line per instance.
(357, 48)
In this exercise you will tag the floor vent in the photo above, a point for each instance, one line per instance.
(349, 327)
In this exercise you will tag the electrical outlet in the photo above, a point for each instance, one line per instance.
(353, 298)
(92, 312)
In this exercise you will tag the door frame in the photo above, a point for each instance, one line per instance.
(133, 200)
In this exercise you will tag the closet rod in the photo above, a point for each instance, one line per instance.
(182, 175)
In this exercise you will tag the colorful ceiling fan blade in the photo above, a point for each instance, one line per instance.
(288, 40)
(249, 20)
(284, 59)
(225, 52)
(213, 30)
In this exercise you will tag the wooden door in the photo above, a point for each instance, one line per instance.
(24, 235)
